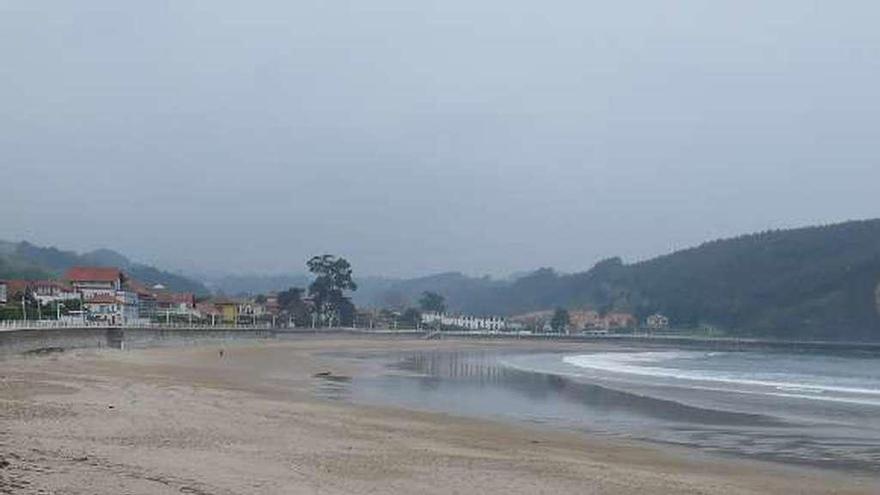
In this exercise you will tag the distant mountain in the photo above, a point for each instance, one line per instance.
(26, 260)
(236, 285)
(375, 292)
(459, 290)
(809, 283)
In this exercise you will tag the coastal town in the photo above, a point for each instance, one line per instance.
(108, 296)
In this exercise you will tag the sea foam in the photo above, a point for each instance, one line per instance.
(687, 370)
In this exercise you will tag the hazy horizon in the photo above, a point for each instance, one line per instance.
(214, 275)
(417, 138)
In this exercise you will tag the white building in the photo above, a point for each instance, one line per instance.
(49, 291)
(657, 322)
(103, 293)
(3, 292)
(466, 322)
(115, 309)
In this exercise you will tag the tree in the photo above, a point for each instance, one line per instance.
(346, 312)
(333, 277)
(411, 318)
(432, 302)
(560, 320)
(291, 303)
(260, 299)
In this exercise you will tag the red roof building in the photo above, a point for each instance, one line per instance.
(92, 280)
(94, 274)
(101, 299)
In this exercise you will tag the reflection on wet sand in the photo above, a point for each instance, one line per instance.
(479, 383)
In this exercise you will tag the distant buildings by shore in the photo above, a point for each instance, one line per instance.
(108, 295)
(540, 321)
(465, 322)
(588, 321)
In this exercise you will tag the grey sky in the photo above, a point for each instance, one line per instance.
(418, 136)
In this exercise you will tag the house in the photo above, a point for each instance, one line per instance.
(175, 304)
(657, 322)
(49, 291)
(157, 302)
(104, 294)
(250, 310)
(146, 298)
(466, 322)
(43, 291)
(584, 319)
(534, 320)
(228, 309)
(102, 307)
(92, 281)
(619, 320)
(579, 320)
(208, 311)
(113, 309)
(273, 307)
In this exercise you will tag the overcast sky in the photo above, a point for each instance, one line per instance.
(419, 136)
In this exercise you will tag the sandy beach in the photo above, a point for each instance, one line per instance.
(186, 420)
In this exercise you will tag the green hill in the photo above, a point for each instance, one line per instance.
(25, 260)
(809, 283)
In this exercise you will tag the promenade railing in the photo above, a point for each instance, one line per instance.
(11, 325)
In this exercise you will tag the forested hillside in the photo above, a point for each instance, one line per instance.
(817, 283)
(810, 283)
(25, 260)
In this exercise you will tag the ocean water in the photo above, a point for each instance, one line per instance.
(805, 408)
(825, 378)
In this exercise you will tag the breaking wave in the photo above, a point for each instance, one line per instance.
(762, 375)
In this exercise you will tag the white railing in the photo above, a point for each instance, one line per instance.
(46, 324)
(200, 326)
(10, 325)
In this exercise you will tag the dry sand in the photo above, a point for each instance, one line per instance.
(183, 420)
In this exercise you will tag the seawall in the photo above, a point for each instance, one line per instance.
(59, 339)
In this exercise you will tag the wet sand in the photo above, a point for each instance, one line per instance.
(186, 420)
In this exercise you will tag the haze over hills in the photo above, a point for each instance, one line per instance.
(244, 284)
(815, 282)
(373, 291)
(25, 260)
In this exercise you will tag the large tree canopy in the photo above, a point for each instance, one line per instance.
(292, 305)
(432, 302)
(560, 320)
(333, 278)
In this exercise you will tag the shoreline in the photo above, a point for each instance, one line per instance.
(14, 341)
(185, 419)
